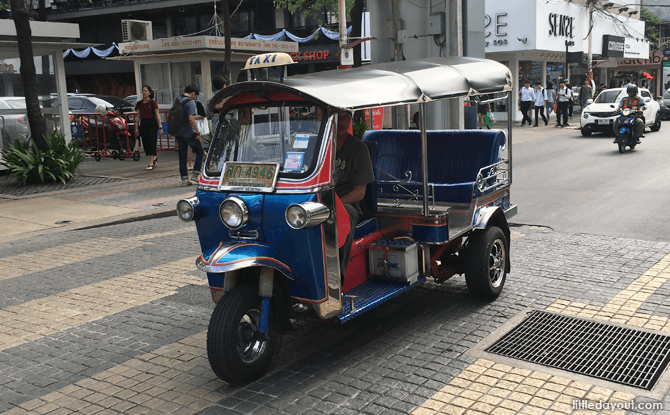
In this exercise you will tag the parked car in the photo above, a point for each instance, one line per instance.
(14, 121)
(131, 99)
(664, 103)
(599, 115)
(119, 103)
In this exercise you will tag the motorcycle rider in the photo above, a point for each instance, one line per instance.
(632, 101)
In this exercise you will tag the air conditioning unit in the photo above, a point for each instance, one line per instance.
(133, 30)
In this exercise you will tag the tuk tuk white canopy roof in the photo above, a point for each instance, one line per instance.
(402, 82)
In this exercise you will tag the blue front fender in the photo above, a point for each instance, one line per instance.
(235, 255)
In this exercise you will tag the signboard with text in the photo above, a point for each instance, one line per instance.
(192, 43)
(613, 46)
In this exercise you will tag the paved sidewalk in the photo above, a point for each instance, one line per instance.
(108, 191)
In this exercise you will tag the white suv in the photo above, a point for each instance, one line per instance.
(599, 115)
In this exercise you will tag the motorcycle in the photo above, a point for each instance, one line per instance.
(110, 130)
(626, 136)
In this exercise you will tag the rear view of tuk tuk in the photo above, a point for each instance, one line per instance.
(270, 223)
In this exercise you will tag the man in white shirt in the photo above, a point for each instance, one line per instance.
(526, 99)
(563, 96)
(540, 103)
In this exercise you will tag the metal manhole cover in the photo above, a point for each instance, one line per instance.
(14, 189)
(616, 354)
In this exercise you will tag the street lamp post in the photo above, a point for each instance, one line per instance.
(568, 43)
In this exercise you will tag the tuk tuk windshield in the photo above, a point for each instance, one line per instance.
(287, 135)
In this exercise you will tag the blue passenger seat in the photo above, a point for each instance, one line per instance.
(454, 159)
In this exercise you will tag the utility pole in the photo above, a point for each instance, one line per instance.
(589, 73)
(342, 11)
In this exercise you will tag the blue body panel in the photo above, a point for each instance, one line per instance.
(430, 234)
(303, 248)
(297, 253)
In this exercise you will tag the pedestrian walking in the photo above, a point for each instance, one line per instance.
(526, 99)
(203, 126)
(150, 124)
(189, 135)
(482, 110)
(585, 93)
(551, 98)
(571, 101)
(563, 96)
(540, 102)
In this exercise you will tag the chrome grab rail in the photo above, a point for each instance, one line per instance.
(496, 171)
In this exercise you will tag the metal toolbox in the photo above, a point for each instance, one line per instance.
(395, 260)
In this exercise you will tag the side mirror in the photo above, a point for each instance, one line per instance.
(589, 101)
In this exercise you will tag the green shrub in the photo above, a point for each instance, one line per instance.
(31, 165)
(360, 127)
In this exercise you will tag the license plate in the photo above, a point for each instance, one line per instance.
(250, 177)
(604, 121)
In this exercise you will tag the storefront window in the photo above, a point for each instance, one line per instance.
(530, 71)
(554, 71)
(168, 80)
(500, 106)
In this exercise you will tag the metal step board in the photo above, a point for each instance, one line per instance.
(369, 295)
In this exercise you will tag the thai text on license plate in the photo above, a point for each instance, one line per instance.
(249, 176)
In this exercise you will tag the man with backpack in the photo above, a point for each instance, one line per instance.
(181, 125)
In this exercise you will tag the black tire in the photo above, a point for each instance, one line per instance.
(97, 156)
(486, 268)
(234, 355)
(657, 123)
(586, 132)
(136, 156)
(622, 148)
(121, 157)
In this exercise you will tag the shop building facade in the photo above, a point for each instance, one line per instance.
(534, 38)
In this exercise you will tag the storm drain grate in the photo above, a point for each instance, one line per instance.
(616, 354)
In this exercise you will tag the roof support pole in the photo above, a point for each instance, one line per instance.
(424, 157)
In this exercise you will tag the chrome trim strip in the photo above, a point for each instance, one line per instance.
(247, 263)
(332, 307)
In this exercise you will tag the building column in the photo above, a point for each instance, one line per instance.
(61, 89)
(207, 77)
(544, 74)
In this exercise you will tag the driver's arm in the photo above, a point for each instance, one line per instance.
(355, 196)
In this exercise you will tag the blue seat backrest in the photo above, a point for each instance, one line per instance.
(454, 156)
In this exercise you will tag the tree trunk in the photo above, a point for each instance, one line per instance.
(38, 126)
(41, 11)
(226, 34)
(356, 14)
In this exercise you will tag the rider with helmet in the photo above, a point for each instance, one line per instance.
(634, 102)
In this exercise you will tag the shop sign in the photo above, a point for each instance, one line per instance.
(206, 42)
(377, 117)
(499, 25)
(315, 54)
(613, 46)
(561, 25)
(655, 59)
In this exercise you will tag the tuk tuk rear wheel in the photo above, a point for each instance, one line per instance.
(486, 269)
(237, 353)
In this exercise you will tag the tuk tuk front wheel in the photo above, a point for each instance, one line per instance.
(237, 352)
(486, 269)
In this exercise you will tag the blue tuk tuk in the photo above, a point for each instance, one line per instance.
(268, 218)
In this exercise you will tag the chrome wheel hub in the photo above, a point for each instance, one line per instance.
(497, 258)
(249, 345)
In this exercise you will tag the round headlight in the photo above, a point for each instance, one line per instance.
(586, 115)
(189, 209)
(234, 212)
(296, 217)
(185, 211)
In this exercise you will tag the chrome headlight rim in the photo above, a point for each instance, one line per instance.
(315, 214)
(244, 209)
(194, 206)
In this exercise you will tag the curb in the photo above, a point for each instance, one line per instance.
(98, 223)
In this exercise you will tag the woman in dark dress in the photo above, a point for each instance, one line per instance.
(150, 123)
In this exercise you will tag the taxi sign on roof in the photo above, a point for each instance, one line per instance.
(268, 59)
